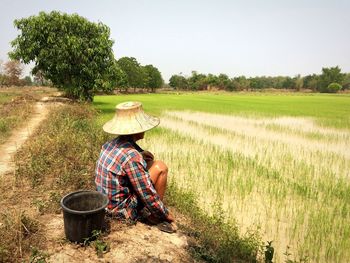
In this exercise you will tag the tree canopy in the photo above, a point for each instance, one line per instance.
(178, 82)
(138, 76)
(154, 79)
(73, 53)
(328, 76)
(135, 76)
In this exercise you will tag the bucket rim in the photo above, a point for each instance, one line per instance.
(77, 212)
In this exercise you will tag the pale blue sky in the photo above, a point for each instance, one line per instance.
(252, 38)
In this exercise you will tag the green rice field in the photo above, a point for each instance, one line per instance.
(279, 163)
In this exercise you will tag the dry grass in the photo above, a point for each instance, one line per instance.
(19, 234)
(16, 106)
(59, 158)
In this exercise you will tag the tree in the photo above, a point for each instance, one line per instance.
(346, 81)
(135, 75)
(299, 82)
(224, 82)
(154, 79)
(288, 83)
(242, 83)
(212, 80)
(334, 88)
(178, 82)
(73, 53)
(13, 70)
(328, 76)
(39, 79)
(197, 81)
(27, 81)
(311, 82)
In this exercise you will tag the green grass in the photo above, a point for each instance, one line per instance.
(6, 97)
(330, 110)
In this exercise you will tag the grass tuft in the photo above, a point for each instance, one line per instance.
(218, 240)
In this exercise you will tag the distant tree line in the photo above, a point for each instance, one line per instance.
(331, 80)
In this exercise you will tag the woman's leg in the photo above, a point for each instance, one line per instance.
(159, 175)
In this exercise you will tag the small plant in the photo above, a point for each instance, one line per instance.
(95, 235)
(28, 225)
(303, 259)
(96, 240)
(101, 247)
(333, 88)
(37, 256)
(40, 204)
(269, 251)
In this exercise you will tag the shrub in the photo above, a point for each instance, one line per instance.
(334, 88)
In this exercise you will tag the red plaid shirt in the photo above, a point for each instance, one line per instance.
(122, 176)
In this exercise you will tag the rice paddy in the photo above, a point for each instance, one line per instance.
(285, 171)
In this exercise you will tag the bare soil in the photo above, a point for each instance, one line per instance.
(136, 243)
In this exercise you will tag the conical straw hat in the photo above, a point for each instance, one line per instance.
(130, 118)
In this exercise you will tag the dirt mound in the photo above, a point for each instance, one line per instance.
(136, 243)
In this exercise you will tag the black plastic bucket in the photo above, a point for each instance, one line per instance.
(83, 212)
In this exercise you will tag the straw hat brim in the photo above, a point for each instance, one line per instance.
(137, 123)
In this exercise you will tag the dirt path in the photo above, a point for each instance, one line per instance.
(18, 138)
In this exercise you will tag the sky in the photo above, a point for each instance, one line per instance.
(243, 37)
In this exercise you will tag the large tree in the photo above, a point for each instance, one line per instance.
(242, 83)
(328, 76)
(154, 79)
(178, 82)
(346, 81)
(73, 53)
(135, 74)
(197, 81)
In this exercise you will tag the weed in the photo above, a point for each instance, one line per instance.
(269, 251)
(18, 232)
(288, 259)
(219, 240)
(37, 256)
(40, 204)
(96, 240)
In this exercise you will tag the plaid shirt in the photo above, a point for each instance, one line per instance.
(122, 176)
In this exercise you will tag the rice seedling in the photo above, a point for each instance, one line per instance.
(279, 164)
(292, 187)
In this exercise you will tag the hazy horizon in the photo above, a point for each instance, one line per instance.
(251, 38)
